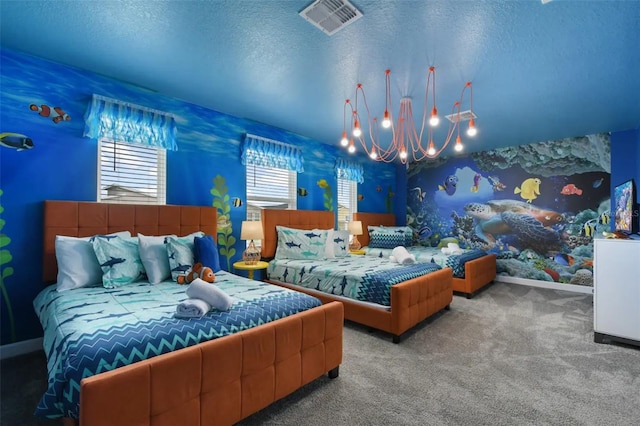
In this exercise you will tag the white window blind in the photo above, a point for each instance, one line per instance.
(347, 201)
(269, 188)
(131, 173)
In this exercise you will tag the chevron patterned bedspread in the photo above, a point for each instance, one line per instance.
(433, 255)
(361, 278)
(91, 330)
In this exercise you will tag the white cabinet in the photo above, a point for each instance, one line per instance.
(616, 298)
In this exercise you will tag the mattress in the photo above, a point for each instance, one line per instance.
(91, 330)
(362, 278)
(432, 255)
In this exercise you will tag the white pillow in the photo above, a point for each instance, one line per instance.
(153, 254)
(77, 262)
(337, 244)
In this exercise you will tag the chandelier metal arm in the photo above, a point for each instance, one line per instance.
(404, 134)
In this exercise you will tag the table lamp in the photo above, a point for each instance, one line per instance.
(355, 229)
(251, 230)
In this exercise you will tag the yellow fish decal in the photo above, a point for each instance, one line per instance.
(529, 189)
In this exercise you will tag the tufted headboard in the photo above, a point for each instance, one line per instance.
(373, 219)
(299, 219)
(85, 218)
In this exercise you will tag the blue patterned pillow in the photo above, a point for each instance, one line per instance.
(300, 244)
(120, 261)
(337, 244)
(390, 236)
(181, 253)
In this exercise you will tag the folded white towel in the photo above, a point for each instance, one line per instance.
(452, 248)
(210, 293)
(192, 308)
(402, 256)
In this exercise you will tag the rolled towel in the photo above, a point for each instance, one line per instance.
(210, 293)
(192, 308)
(402, 256)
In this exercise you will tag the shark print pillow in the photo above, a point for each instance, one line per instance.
(300, 243)
(337, 244)
(120, 261)
(180, 251)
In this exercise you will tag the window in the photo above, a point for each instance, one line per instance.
(269, 188)
(347, 201)
(131, 173)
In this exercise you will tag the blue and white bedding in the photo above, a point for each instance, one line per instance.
(362, 278)
(91, 330)
(432, 255)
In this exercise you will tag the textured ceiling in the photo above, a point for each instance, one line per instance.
(539, 71)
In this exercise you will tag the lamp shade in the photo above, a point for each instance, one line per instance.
(355, 227)
(251, 230)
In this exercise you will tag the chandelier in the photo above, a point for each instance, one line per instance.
(406, 138)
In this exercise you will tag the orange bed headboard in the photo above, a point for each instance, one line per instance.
(373, 219)
(82, 219)
(299, 219)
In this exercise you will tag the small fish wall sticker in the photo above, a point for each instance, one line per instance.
(7, 271)
(55, 113)
(226, 240)
(302, 192)
(16, 141)
(237, 202)
(328, 194)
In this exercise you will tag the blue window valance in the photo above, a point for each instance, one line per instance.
(125, 122)
(349, 170)
(269, 153)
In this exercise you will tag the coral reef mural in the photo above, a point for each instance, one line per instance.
(5, 272)
(226, 240)
(537, 207)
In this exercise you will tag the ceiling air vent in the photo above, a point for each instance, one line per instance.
(464, 116)
(331, 15)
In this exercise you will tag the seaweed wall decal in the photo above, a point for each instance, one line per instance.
(328, 194)
(6, 271)
(226, 240)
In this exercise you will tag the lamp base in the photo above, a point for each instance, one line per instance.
(251, 255)
(355, 244)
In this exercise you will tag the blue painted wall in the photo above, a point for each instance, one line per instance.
(62, 165)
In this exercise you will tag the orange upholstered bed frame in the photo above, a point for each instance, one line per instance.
(412, 301)
(478, 272)
(218, 382)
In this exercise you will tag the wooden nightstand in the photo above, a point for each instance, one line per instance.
(358, 252)
(257, 266)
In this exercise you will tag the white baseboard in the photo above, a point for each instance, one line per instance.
(20, 348)
(545, 284)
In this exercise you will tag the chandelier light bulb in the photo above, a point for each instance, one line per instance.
(434, 120)
(403, 155)
(344, 141)
(458, 147)
(472, 131)
(356, 129)
(432, 148)
(386, 122)
(352, 147)
(373, 155)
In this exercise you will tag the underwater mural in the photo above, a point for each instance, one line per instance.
(5, 272)
(537, 207)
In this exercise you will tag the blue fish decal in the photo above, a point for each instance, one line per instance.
(181, 268)
(104, 237)
(113, 261)
(16, 141)
(449, 185)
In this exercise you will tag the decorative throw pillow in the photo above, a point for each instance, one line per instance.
(120, 261)
(337, 244)
(77, 262)
(153, 253)
(390, 236)
(300, 244)
(180, 251)
(206, 252)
